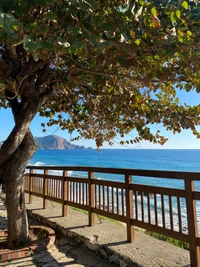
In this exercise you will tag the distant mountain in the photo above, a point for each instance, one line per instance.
(51, 142)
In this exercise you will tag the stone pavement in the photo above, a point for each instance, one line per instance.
(66, 252)
(102, 245)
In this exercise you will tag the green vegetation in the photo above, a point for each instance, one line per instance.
(98, 216)
(77, 209)
(170, 240)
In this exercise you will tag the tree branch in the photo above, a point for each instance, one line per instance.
(20, 129)
(70, 72)
(42, 75)
(25, 151)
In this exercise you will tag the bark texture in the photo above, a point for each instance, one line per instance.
(15, 198)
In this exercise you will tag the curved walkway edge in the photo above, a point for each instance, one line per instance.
(109, 239)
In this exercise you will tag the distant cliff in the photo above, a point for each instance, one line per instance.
(51, 142)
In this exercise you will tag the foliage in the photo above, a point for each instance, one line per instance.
(107, 67)
(99, 217)
(170, 240)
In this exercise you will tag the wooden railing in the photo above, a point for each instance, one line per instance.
(133, 204)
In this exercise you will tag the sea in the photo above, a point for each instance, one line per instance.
(185, 160)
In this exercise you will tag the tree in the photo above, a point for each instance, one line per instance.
(101, 67)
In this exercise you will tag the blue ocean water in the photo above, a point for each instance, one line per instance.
(146, 159)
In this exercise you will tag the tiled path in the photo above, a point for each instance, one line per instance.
(66, 252)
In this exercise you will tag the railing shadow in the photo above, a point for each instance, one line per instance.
(112, 244)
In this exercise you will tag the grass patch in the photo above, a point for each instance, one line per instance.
(77, 209)
(110, 220)
(170, 240)
(98, 216)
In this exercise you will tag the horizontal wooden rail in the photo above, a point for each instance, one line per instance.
(196, 195)
(109, 183)
(158, 190)
(158, 209)
(135, 172)
(160, 230)
(76, 179)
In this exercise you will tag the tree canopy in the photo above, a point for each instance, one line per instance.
(107, 67)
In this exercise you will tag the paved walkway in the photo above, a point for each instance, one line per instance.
(66, 252)
(105, 239)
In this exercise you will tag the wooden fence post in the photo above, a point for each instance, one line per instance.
(30, 186)
(64, 194)
(45, 187)
(91, 198)
(192, 223)
(129, 209)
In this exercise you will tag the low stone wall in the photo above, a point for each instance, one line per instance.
(92, 244)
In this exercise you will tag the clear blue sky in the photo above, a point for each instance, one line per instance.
(184, 140)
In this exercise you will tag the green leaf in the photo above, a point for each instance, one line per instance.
(29, 44)
(198, 88)
(154, 11)
(23, 3)
(19, 10)
(1, 17)
(97, 20)
(137, 41)
(109, 34)
(74, 30)
(93, 3)
(84, 6)
(40, 2)
(107, 27)
(2, 37)
(51, 40)
(8, 3)
(49, 2)
(49, 15)
(185, 4)
(172, 17)
(178, 14)
(74, 2)
(86, 35)
(1, 32)
(189, 33)
(8, 20)
(46, 45)
(44, 28)
(13, 35)
(180, 39)
(77, 46)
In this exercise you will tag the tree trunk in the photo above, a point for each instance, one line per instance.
(16, 212)
(15, 199)
(33, 88)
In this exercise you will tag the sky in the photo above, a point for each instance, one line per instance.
(184, 140)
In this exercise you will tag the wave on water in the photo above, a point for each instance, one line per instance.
(39, 163)
(60, 173)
